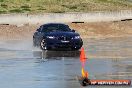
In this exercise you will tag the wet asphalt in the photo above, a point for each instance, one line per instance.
(22, 66)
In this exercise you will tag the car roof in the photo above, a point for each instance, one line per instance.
(53, 24)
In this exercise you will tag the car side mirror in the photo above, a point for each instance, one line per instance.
(38, 30)
(73, 30)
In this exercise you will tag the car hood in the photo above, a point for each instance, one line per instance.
(62, 34)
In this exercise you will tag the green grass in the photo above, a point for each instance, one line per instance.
(61, 6)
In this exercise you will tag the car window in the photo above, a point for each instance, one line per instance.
(64, 28)
(55, 27)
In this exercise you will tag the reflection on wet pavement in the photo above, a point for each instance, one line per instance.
(107, 59)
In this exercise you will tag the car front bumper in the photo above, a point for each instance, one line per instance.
(57, 44)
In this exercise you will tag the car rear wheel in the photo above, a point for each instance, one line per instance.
(34, 43)
(43, 44)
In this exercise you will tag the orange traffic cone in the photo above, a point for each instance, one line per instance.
(82, 55)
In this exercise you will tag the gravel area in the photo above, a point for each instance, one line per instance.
(86, 30)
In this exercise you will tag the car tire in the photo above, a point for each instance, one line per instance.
(34, 43)
(43, 44)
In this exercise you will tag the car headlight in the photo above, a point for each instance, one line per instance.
(50, 37)
(77, 37)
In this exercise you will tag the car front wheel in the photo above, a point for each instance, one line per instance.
(43, 44)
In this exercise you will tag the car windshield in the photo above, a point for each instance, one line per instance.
(55, 27)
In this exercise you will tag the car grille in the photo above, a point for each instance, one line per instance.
(64, 38)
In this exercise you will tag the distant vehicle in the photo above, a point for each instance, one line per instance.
(56, 36)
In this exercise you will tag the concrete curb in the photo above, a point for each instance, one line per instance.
(18, 19)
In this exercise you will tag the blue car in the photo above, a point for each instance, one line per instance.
(56, 36)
